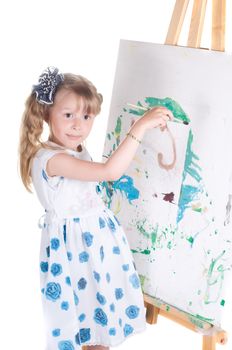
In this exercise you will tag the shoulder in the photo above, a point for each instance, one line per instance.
(39, 166)
(44, 154)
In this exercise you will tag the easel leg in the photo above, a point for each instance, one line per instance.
(151, 313)
(209, 342)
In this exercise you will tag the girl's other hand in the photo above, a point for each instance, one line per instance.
(156, 117)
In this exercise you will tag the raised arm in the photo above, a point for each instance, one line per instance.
(65, 165)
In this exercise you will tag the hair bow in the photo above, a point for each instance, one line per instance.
(47, 84)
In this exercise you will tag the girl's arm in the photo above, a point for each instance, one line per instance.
(65, 165)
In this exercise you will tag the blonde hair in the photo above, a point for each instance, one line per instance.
(36, 114)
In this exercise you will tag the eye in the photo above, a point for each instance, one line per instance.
(68, 115)
(86, 117)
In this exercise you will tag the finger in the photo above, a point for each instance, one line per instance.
(169, 115)
(166, 117)
(162, 128)
(163, 123)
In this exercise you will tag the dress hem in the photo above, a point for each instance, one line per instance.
(115, 343)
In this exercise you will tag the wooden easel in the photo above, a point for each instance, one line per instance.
(155, 307)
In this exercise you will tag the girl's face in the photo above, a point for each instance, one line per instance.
(69, 123)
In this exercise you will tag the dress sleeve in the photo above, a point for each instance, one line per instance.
(42, 157)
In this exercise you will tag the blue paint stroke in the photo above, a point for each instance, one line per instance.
(188, 194)
(126, 187)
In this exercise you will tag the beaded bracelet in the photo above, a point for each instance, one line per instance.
(133, 137)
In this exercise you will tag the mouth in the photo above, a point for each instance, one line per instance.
(73, 137)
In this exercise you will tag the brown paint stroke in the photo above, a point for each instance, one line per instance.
(169, 197)
(160, 155)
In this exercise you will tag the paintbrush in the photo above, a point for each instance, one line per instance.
(147, 109)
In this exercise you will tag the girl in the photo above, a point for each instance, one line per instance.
(90, 289)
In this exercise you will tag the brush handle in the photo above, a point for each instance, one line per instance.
(147, 109)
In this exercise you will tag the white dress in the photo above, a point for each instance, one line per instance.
(90, 289)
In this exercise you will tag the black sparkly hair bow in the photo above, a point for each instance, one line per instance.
(46, 87)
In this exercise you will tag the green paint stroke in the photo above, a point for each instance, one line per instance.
(190, 240)
(222, 303)
(200, 321)
(189, 193)
(145, 251)
(170, 104)
(154, 236)
(140, 227)
(143, 279)
(215, 276)
(190, 166)
(157, 237)
(118, 127)
(151, 102)
(114, 136)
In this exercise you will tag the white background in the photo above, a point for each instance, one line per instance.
(82, 37)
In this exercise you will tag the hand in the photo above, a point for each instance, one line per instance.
(156, 117)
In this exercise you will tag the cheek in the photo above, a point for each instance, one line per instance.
(57, 128)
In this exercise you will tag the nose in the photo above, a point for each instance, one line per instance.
(76, 125)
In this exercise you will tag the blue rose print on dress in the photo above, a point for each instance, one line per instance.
(76, 220)
(117, 220)
(69, 255)
(68, 280)
(81, 283)
(88, 238)
(44, 266)
(102, 253)
(44, 175)
(127, 329)
(82, 317)
(125, 267)
(116, 250)
(108, 277)
(66, 345)
(118, 293)
(132, 311)
(102, 223)
(64, 233)
(53, 291)
(124, 240)
(120, 322)
(56, 332)
(55, 243)
(96, 276)
(64, 305)
(48, 251)
(76, 299)
(111, 225)
(101, 298)
(83, 257)
(100, 317)
(83, 336)
(112, 331)
(112, 307)
(134, 280)
(56, 269)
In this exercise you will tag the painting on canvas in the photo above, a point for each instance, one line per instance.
(174, 199)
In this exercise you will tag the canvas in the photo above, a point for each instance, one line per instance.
(174, 199)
